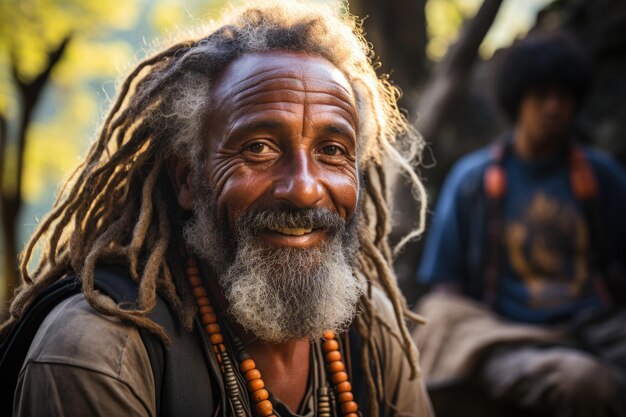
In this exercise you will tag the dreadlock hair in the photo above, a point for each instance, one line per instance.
(118, 205)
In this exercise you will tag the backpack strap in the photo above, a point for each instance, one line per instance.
(116, 284)
(186, 374)
(15, 346)
(494, 183)
(352, 346)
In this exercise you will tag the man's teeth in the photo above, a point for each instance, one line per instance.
(292, 231)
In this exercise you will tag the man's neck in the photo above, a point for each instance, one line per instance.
(529, 148)
(284, 366)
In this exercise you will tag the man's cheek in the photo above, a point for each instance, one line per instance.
(238, 194)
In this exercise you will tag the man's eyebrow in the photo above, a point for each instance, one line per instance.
(257, 125)
(335, 129)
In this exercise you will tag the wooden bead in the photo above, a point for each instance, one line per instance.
(194, 281)
(216, 338)
(199, 292)
(207, 309)
(333, 356)
(330, 345)
(202, 301)
(344, 397)
(256, 385)
(253, 374)
(339, 377)
(192, 271)
(349, 407)
(213, 328)
(328, 335)
(336, 366)
(247, 365)
(264, 408)
(343, 387)
(208, 318)
(351, 415)
(260, 395)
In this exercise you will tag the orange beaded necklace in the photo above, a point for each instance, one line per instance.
(254, 383)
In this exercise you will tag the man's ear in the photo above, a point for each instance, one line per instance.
(180, 174)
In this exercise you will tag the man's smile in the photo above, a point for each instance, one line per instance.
(294, 237)
(299, 231)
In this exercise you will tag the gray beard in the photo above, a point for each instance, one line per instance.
(280, 294)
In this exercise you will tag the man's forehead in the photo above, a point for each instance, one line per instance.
(273, 67)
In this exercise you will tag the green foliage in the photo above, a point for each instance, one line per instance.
(29, 30)
(444, 19)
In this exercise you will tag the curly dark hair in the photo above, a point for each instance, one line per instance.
(540, 61)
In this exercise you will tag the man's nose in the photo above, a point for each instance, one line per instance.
(557, 100)
(298, 183)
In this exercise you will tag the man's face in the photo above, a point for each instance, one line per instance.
(275, 203)
(545, 115)
(283, 136)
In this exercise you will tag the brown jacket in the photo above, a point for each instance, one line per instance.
(83, 363)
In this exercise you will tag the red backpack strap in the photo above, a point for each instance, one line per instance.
(582, 178)
(495, 176)
(494, 181)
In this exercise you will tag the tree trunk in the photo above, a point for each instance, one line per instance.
(397, 30)
(451, 75)
(11, 194)
(441, 90)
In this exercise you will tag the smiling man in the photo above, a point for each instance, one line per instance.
(228, 234)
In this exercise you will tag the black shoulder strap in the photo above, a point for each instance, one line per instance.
(15, 346)
(359, 388)
(117, 285)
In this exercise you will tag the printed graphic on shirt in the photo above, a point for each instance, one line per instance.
(547, 248)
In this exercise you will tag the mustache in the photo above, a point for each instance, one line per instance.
(259, 220)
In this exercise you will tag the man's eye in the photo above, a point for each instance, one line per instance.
(257, 147)
(331, 150)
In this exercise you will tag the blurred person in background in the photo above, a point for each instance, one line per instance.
(525, 255)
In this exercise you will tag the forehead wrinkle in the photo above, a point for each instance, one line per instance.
(265, 74)
(237, 117)
(242, 100)
(301, 82)
(314, 87)
(255, 95)
(317, 97)
(253, 82)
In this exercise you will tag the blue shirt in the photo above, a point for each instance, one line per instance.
(545, 273)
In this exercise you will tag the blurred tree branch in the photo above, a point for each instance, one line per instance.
(397, 29)
(11, 189)
(451, 76)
